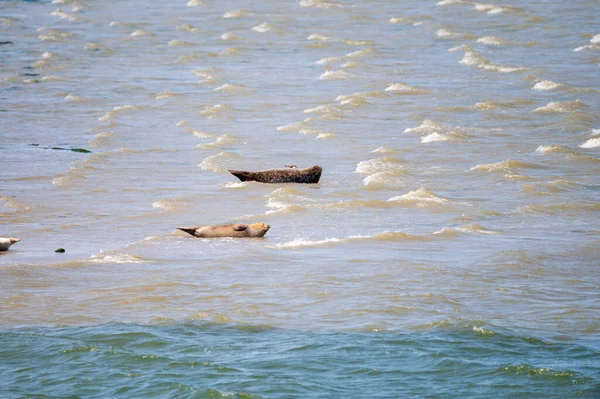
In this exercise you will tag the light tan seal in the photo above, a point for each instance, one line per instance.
(5, 243)
(230, 230)
(291, 174)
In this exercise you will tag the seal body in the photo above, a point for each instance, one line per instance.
(230, 230)
(285, 175)
(5, 243)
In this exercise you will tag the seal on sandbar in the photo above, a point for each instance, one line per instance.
(5, 243)
(230, 230)
(291, 174)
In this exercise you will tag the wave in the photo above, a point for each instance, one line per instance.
(386, 236)
(111, 257)
(320, 4)
(504, 166)
(475, 229)
(448, 34)
(237, 14)
(358, 98)
(377, 165)
(220, 162)
(433, 131)
(167, 94)
(390, 179)
(422, 197)
(120, 109)
(65, 15)
(591, 143)
(212, 111)
(232, 88)
(223, 141)
(54, 78)
(496, 9)
(492, 41)
(546, 85)
(12, 203)
(556, 149)
(263, 28)
(551, 187)
(561, 209)
(384, 150)
(403, 88)
(74, 98)
(141, 32)
(318, 36)
(296, 126)
(594, 44)
(474, 58)
(54, 35)
(101, 140)
(181, 43)
(561, 107)
(230, 36)
(336, 75)
(202, 135)
(188, 28)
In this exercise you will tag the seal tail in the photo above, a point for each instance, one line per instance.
(240, 174)
(189, 230)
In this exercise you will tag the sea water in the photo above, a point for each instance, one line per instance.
(450, 249)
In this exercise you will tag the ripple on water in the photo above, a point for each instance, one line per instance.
(179, 359)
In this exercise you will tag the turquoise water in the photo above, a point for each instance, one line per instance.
(199, 360)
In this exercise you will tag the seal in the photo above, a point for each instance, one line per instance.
(291, 174)
(230, 230)
(5, 243)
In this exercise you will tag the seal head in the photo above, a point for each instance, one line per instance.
(5, 243)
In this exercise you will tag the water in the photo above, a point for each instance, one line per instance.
(449, 250)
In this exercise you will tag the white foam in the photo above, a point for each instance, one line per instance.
(491, 41)
(74, 98)
(335, 75)
(237, 14)
(422, 197)
(403, 88)
(377, 165)
(445, 33)
(546, 85)
(140, 32)
(119, 258)
(262, 28)
(318, 36)
(474, 58)
(223, 141)
(591, 143)
(230, 36)
(319, 4)
(435, 136)
(560, 107)
(451, 2)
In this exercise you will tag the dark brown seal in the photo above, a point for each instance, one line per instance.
(286, 175)
(230, 230)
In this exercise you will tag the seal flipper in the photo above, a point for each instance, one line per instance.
(240, 174)
(189, 230)
(240, 227)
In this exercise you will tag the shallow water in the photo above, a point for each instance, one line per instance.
(449, 250)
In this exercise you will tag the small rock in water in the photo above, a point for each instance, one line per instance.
(60, 250)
